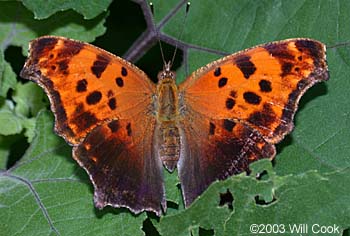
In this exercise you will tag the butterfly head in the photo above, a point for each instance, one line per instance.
(166, 73)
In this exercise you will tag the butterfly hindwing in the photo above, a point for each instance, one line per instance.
(119, 156)
(216, 149)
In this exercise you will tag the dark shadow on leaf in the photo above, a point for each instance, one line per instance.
(110, 210)
(288, 140)
(346, 232)
(149, 228)
(66, 152)
(152, 215)
(261, 201)
(316, 91)
(181, 201)
(226, 199)
(248, 171)
(17, 145)
(172, 205)
(262, 176)
(119, 37)
(205, 232)
(14, 56)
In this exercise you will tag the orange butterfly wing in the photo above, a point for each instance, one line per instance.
(236, 108)
(103, 106)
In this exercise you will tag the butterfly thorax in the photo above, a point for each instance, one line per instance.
(167, 133)
(167, 98)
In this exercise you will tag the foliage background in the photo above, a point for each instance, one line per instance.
(44, 192)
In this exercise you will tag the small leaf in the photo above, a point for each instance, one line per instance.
(10, 123)
(89, 9)
(29, 98)
(7, 76)
(17, 27)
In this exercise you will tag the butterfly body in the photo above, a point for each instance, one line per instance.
(167, 133)
(124, 128)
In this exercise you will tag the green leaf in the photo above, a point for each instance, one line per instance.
(7, 76)
(10, 123)
(46, 192)
(4, 152)
(29, 98)
(17, 26)
(89, 9)
(296, 201)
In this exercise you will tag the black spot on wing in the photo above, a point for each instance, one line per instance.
(99, 65)
(119, 81)
(263, 118)
(313, 48)
(279, 50)
(222, 82)
(252, 98)
(229, 125)
(211, 128)
(110, 94)
(286, 68)
(124, 71)
(230, 103)
(217, 72)
(40, 46)
(70, 49)
(112, 103)
(94, 97)
(265, 85)
(245, 65)
(128, 129)
(233, 94)
(114, 126)
(83, 119)
(82, 85)
(63, 66)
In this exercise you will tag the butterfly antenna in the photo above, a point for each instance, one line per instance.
(188, 4)
(157, 32)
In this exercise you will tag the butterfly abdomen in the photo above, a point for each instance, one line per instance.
(168, 144)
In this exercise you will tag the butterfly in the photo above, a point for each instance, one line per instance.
(124, 128)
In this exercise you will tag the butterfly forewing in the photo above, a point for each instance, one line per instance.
(260, 86)
(86, 85)
(103, 105)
